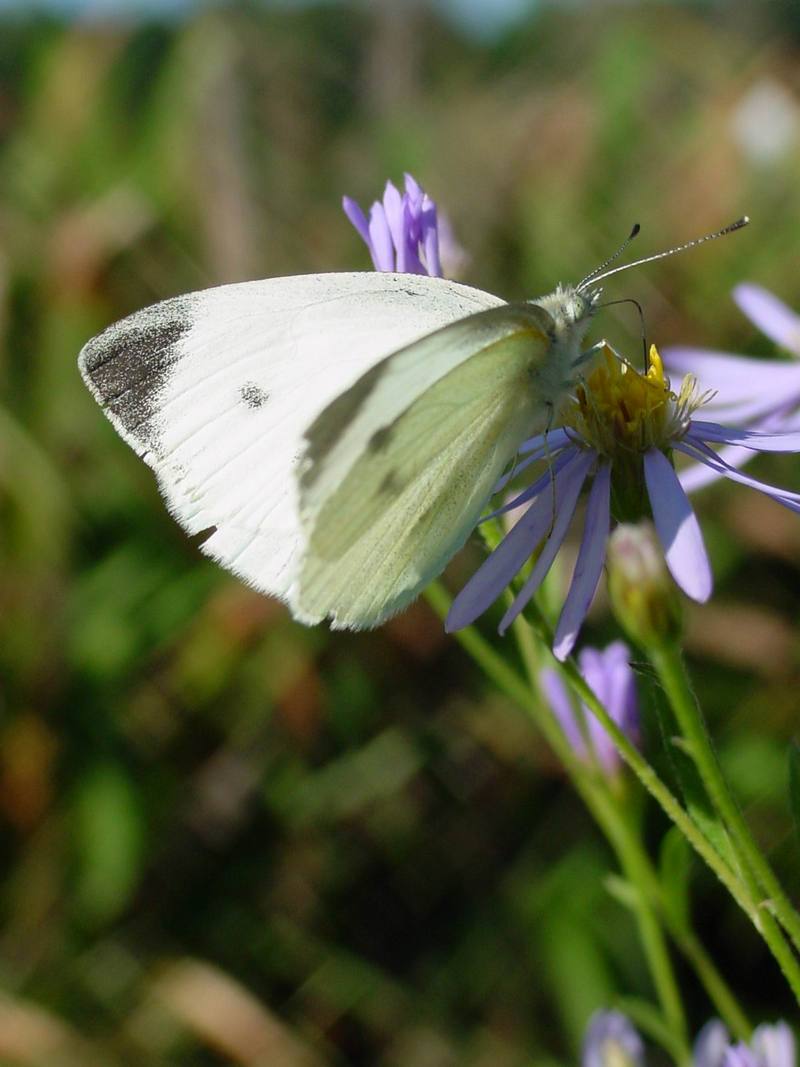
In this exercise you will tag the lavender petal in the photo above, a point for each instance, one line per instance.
(494, 574)
(588, 567)
(774, 1045)
(606, 1030)
(731, 378)
(770, 315)
(566, 499)
(537, 487)
(677, 527)
(757, 440)
(699, 475)
(413, 189)
(380, 239)
(551, 439)
(698, 450)
(740, 1055)
(621, 698)
(556, 442)
(608, 673)
(558, 698)
(357, 218)
(711, 1045)
(394, 212)
(430, 238)
(407, 254)
(621, 701)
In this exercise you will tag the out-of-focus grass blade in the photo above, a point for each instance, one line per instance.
(794, 784)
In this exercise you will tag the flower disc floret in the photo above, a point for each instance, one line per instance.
(618, 411)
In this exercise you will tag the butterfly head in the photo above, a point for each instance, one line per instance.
(571, 309)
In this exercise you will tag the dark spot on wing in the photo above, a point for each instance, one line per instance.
(380, 439)
(128, 364)
(253, 395)
(329, 426)
(390, 484)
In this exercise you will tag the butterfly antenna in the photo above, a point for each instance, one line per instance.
(611, 258)
(732, 228)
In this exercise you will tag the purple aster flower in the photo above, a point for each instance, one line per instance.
(764, 393)
(740, 1055)
(616, 434)
(611, 1041)
(772, 1045)
(402, 232)
(711, 1044)
(608, 672)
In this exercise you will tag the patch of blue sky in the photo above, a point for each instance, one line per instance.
(475, 17)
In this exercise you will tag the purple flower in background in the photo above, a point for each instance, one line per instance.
(740, 1055)
(764, 393)
(616, 434)
(608, 672)
(711, 1044)
(402, 233)
(772, 1045)
(611, 1041)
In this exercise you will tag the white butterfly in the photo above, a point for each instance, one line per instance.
(341, 433)
(337, 436)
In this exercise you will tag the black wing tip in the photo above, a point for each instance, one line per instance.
(127, 364)
(156, 326)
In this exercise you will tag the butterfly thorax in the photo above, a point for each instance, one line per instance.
(571, 311)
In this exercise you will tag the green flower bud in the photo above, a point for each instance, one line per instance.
(643, 596)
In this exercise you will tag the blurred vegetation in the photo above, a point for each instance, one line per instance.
(229, 839)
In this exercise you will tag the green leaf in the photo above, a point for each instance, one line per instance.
(675, 868)
(689, 781)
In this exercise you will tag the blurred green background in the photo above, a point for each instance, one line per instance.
(229, 839)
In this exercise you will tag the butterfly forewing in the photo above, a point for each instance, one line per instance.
(398, 470)
(215, 390)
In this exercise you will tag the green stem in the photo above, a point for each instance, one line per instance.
(743, 894)
(635, 862)
(756, 870)
(664, 797)
(604, 811)
(633, 857)
(493, 664)
(595, 792)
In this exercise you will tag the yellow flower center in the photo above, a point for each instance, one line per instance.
(617, 410)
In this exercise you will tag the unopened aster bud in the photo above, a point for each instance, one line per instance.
(643, 596)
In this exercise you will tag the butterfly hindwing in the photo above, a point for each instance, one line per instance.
(397, 470)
